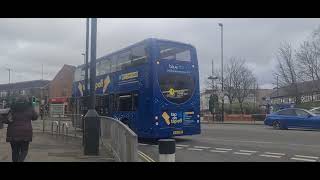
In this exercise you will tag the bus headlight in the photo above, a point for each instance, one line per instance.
(198, 121)
(157, 123)
(198, 116)
(156, 117)
(158, 62)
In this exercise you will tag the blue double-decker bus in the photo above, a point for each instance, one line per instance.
(151, 86)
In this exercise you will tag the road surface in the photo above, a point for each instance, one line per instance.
(241, 143)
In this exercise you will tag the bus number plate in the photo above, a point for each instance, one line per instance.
(177, 132)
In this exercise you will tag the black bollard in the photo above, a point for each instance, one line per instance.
(167, 150)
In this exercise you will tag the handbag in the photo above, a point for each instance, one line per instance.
(6, 116)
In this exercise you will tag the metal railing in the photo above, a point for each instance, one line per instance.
(113, 134)
(63, 124)
(65, 128)
(120, 138)
(55, 124)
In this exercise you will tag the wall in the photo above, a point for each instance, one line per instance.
(61, 85)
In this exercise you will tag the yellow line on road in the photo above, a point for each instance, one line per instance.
(146, 157)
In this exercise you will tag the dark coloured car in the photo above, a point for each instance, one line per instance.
(293, 118)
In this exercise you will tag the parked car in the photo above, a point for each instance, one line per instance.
(315, 111)
(293, 118)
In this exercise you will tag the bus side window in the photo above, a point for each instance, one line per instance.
(125, 102)
(139, 55)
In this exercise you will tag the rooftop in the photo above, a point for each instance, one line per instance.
(24, 85)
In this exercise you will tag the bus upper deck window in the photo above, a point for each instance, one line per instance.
(174, 52)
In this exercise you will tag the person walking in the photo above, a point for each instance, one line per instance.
(19, 131)
(41, 112)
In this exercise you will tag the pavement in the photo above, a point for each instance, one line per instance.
(46, 147)
(243, 143)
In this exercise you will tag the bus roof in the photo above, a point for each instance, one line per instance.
(135, 44)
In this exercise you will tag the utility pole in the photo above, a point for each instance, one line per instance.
(212, 89)
(86, 59)
(277, 86)
(42, 72)
(91, 119)
(222, 89)
(9, 73)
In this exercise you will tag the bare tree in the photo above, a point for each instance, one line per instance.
(244, 83)
(229, 79)
(287, 70)
(308, 65)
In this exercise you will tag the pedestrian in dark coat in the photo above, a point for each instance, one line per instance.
(19, 131)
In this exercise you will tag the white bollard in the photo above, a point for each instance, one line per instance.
(167, 150)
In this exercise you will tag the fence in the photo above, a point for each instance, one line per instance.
(121, 139)
(114, 134)
(62, 124)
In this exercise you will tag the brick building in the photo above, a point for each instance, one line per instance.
(60, 89)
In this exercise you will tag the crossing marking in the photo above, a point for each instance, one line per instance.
(266, 155)
(182, 145)
(218, 151)
(202, 147)
(194, 149)
(242, 153)
(280, 154)
(223, 149)
(248, 151)
(311, 157)
(303, 159)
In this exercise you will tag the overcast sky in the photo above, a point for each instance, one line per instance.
(26, 44)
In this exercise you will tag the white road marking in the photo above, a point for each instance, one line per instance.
(194, 149)
(266, 155)
(242, 153)
(248, 151)
(143, 144)
(303, 159)
(259, 142)
(179, 147)
(223, 149)
(182, 145)
(202, 147)
(218, 151)
(280, 154)
(311, 157)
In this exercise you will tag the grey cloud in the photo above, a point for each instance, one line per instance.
(27, 43)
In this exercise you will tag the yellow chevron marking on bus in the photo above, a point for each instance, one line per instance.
(166, 118)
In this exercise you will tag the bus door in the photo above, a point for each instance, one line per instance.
(127, 107)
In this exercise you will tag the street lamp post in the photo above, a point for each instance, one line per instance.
(86, 60)
(91, 119)
(212, 78)
(222, 89)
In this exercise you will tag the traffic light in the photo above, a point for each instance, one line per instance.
(33, 100)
